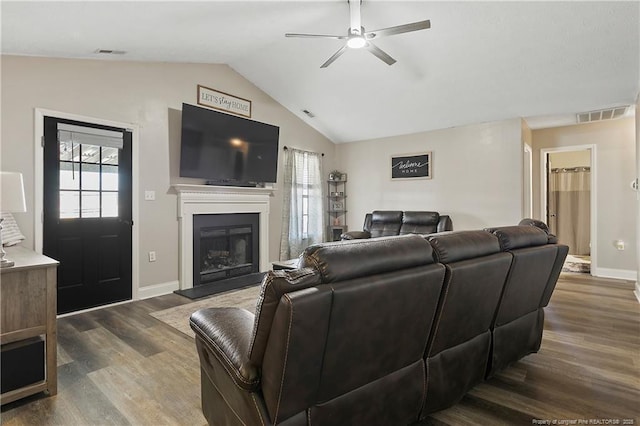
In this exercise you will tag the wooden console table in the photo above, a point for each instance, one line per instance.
(28, 311)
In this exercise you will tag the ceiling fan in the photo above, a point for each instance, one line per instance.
(357, 37)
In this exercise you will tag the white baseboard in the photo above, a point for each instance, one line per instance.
(157, 289)
(620, 274)
(68, 314)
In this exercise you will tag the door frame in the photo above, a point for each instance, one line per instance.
(527, 195)
(593, 228)
(39, 115)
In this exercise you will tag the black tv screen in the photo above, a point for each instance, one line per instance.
(227, 149)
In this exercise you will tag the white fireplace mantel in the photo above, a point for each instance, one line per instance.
(209, 199)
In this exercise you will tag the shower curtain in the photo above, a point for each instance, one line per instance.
(569, 208)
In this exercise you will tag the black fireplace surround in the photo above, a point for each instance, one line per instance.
(225, 246)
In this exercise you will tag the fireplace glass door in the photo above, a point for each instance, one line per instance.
(225, 246)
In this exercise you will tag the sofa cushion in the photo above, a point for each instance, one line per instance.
(419, 223)
(515, 237)
(385, 223)
(551, 239)
(346, 260)
(274, 285)
(534, 222)
(455, 246)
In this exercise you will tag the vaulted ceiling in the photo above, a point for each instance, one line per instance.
(480, 61)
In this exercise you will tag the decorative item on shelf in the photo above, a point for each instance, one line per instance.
(336, 221)
(337, 206)
(337, 194)
(337, 176)
(12, 201)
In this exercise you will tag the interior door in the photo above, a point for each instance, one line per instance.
(87, 222)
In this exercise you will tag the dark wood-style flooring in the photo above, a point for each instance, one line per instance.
(120, 366)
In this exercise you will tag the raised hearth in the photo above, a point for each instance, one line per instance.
(194, 200)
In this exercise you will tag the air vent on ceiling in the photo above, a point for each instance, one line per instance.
(109, 52)
(604, 114)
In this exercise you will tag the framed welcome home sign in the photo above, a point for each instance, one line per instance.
(411, 166)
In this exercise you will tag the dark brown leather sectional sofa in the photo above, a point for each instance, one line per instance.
(385, 223)
(378, 332)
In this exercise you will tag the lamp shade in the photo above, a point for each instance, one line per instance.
(12, 195)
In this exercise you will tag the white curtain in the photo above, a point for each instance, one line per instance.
(302, 211)
(570, 208)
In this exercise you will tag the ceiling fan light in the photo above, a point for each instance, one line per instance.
(356, 42)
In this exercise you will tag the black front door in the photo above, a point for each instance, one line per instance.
(87, 212)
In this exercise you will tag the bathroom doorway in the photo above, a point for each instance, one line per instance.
(569, 201)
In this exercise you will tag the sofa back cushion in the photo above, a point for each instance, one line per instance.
(274, 285)
(344, 260)
(459, 347)
(419, 223)
(476, 271)
(385, 223)
(534, 260)
(519, 236)
(369, 322)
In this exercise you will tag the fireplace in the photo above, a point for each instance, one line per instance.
(225, 246)
(204, 200)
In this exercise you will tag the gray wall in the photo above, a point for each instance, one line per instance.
(149, 95)
(616, 202)
(477, 175)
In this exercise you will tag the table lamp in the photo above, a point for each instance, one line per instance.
(12, 201)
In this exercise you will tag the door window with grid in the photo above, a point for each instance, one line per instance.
(89, 161)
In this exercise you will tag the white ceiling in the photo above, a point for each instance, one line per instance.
(480, 61)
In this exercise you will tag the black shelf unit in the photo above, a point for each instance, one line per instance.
(336, 207)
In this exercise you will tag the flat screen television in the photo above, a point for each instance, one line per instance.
(227, 150)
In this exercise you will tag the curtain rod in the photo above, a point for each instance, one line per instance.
(571, 169)
(286, 147)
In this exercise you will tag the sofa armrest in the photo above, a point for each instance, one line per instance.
(444, 224)
(226, 333)
(355, 235)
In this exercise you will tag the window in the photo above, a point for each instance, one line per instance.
(304, 191)
(302, 203)
(88, 172)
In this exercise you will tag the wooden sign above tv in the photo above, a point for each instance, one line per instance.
(223, 101)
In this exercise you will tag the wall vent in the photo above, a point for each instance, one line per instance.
(109, 52)
(603, 114)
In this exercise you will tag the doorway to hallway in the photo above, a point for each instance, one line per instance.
(568, 206)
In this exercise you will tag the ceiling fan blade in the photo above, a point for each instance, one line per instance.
(316, 36)
(414, 26)
(334, 57)
(354, 17)
(380, 54)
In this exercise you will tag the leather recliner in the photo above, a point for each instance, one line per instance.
(340, 341)
(384, 223)
(518, 324)
(460, 347)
